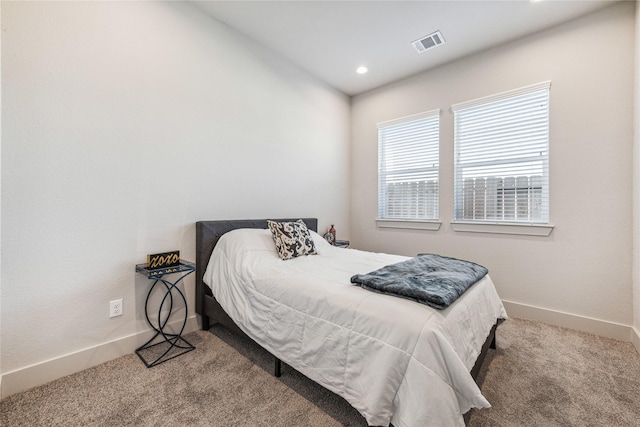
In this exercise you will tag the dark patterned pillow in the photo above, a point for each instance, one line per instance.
(292, 239)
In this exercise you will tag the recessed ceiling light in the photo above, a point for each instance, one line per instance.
(362, 70)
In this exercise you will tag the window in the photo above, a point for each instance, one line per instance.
(502, 157)
(408, 161)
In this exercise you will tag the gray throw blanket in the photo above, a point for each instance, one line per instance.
(429, 279)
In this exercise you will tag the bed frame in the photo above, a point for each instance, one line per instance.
(207, 235)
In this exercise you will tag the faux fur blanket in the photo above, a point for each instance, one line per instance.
(429, 279)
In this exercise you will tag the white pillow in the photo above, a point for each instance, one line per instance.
(247, 239)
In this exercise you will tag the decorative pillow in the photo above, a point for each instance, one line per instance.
(292, 239)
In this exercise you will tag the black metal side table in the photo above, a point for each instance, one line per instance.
(342, 243)
(170, 344)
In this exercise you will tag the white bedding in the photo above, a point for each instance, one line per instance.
(392, 359)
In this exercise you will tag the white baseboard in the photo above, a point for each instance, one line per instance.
(635, 338)
(572, 321)
(41, 373)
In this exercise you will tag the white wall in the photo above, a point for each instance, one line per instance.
(582, 271)
(0, 208)
(123, 124)
(636, 189)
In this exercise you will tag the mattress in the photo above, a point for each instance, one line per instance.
(392, 359)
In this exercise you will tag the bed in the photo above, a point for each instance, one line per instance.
(394, 360)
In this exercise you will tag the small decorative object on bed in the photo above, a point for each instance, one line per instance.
(394, 360)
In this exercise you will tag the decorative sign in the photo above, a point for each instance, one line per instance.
(163, 260)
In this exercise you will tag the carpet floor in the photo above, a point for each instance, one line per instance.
(540, 375)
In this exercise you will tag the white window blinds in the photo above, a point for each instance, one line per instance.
(408, 162)
(502, 157)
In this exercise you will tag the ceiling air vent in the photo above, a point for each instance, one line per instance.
(427, 42)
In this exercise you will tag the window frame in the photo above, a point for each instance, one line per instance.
(495, 224)
(383, 219)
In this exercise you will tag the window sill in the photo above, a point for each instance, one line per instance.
(411, 224)
(543, 230)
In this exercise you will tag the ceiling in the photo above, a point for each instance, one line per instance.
(330, 39)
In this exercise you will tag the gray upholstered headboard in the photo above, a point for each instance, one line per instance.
(207, 235)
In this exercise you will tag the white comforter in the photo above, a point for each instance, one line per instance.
(392, 359)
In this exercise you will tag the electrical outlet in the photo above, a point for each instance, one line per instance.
(115, 308)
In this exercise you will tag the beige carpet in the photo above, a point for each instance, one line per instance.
(539, 376)
(546, 376)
